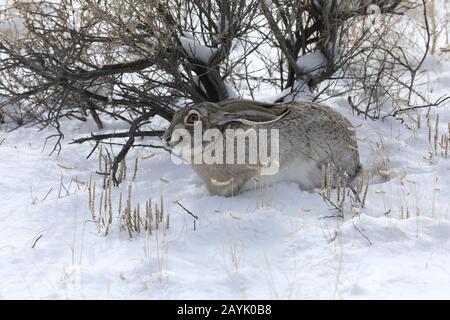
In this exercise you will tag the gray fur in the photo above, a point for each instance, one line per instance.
(311, 137)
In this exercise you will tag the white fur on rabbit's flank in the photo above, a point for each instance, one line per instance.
(304, 172)
(311, 137)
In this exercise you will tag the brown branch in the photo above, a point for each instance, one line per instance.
(129, 144)
(100, 137)
(280, 39)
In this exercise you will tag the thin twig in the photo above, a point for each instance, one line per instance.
(196, 217)
(360, 232)
(37, 239)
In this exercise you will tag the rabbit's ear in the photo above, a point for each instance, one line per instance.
(250, 112)
(230, 102)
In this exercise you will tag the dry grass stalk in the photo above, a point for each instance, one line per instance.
(136, 164)
(131, 217)
(337, 191)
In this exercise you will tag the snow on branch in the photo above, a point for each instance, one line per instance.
(197, 51)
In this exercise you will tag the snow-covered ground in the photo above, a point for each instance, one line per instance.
(278, 242)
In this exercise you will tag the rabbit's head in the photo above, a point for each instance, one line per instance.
(223, 115)
(196, 115)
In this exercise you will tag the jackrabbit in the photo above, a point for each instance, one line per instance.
(310, 137)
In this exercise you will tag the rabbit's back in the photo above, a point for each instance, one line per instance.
(317, 136)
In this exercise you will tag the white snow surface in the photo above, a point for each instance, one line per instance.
(312, 63)
(275, 243)
(196, 50)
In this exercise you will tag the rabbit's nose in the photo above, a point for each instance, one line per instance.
(166, 138)
(169, 142)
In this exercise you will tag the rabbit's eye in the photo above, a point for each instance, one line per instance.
(193, 118)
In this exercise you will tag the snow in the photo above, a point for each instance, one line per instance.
(300, 91)
(312, 63)
(196, 50)
(278, 242)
